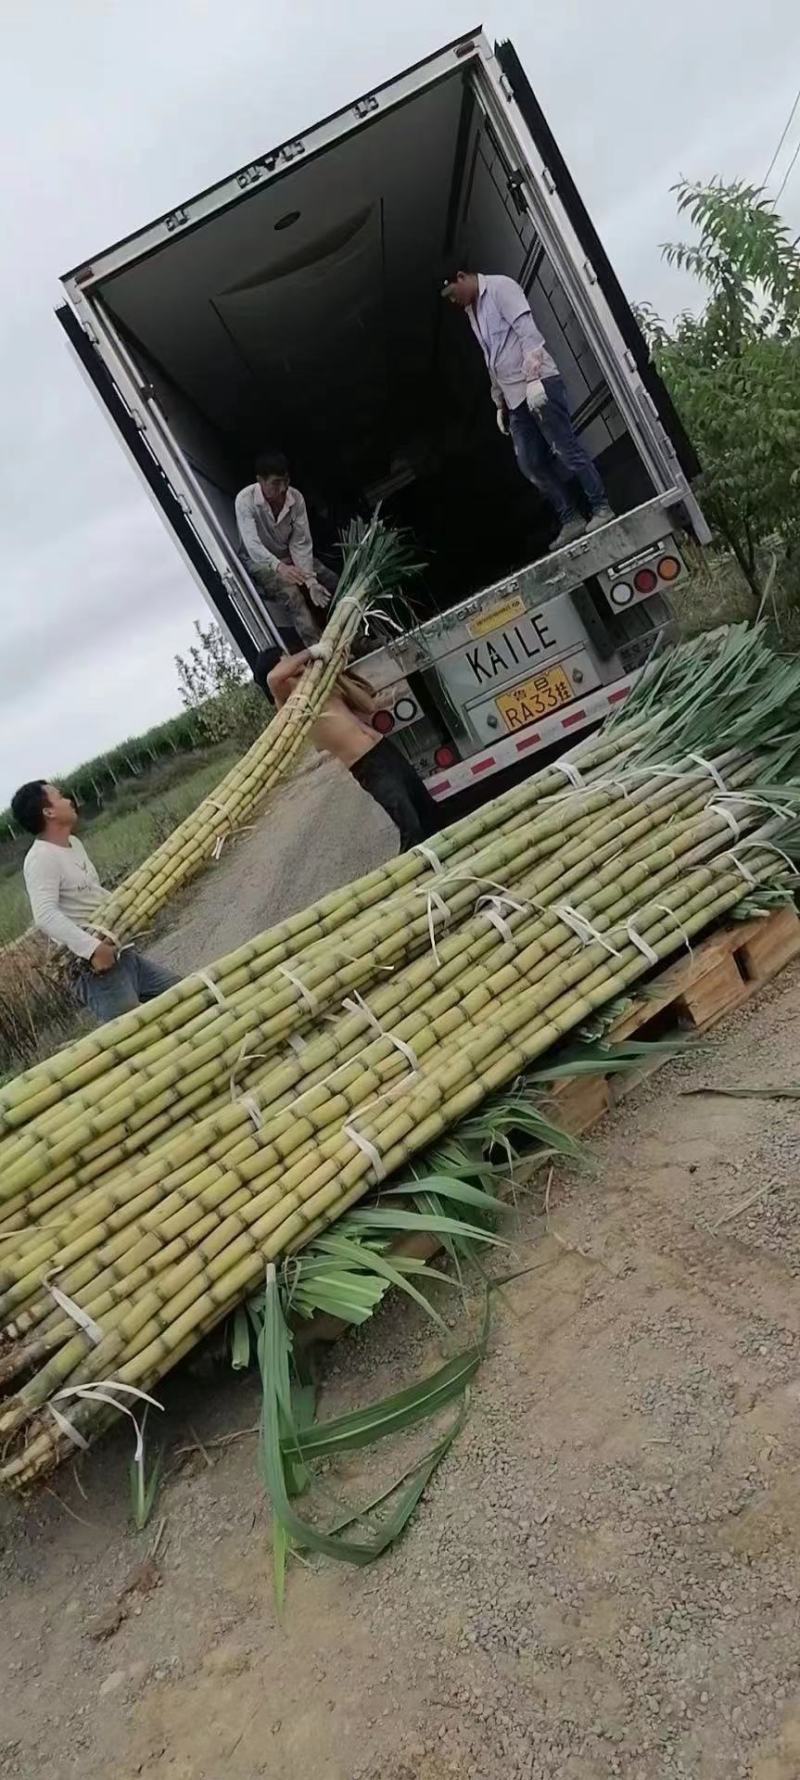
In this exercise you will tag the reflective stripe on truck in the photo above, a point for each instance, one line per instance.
(548, 732)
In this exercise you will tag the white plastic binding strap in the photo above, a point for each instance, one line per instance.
(320, 651)
(101, 1392)
(97, 927)
(586, 932)
(296, 1043)
(367, 1149)
(391, 623)
(250, 1105)
(245, 1056)
(73, 1310)
(213, 987)
(709, 767)
(721, 809)
(428, 852)
(307, 995)
(67, 1427)
(666, 910)
(642, 945)
(570, 772)
(741, 867)
(355, 1004)
(435, 905)
(491, 908)
(221, 838)
(753, 840)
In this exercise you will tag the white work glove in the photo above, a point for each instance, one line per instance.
(535, 395)
(502, 422)
(318, 595)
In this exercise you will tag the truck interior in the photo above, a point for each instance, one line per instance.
(307, 315)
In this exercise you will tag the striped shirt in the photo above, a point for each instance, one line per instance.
(511, 343)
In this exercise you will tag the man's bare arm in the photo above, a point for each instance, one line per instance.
(283, 678)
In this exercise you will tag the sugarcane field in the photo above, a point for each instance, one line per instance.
(400, 1040)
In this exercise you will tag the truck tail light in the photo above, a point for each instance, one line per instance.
(445, 756)
(645, 580)
(383, 721)
(621, 594)
(669, 568)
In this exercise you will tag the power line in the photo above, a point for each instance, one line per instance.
(786, 128)
(785, 180)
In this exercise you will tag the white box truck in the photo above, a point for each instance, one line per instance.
(297, 304)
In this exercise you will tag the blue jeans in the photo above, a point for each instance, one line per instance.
(132, 980)
(550, 453)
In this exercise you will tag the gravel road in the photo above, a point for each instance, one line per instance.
(319, 832)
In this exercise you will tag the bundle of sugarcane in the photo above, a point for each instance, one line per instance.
(113, 1095)
(133, 1076)
(208, 1001)
(614, 873)
(374, 557)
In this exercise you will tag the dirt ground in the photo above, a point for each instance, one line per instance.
(604, 1577)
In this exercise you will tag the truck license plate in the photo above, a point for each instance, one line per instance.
(535, 698)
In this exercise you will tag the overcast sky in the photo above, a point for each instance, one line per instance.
(111, 113)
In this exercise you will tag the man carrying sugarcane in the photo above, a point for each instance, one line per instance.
(344, 731)
(530, 397)
(276, 539)
(65, 894)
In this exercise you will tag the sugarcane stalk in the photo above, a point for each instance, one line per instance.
(499, 1050)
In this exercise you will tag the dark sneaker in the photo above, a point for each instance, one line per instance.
(601, 516)
(570, 530)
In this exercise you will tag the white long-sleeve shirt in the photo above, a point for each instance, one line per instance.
(512, 345)
(268, 540)
(64, 890)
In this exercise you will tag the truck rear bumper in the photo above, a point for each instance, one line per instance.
(562, 726)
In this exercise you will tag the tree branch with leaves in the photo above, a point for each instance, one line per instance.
(734, 368)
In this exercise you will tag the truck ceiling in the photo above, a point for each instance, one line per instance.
(297, 303)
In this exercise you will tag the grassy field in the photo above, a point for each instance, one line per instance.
(139, 816)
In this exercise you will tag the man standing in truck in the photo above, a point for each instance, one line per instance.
(65, 895)
(276, 539)
(530, 397)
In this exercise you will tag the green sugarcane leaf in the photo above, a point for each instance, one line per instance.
(375, 1218)
(447, 1186)
(240, 1339)
(281, 1545)
(344, 1304)
(392, 1274)
(274, 1355)
(145, 1484)
(304, 1408)
(341, 1310)
(393, 1414)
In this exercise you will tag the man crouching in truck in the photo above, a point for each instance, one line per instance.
(65, 893)
(276, 539)
(342, 730)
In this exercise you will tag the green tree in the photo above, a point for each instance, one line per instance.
(214, 681)
(734, 368)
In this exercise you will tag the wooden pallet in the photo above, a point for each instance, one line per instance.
(726, 970)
